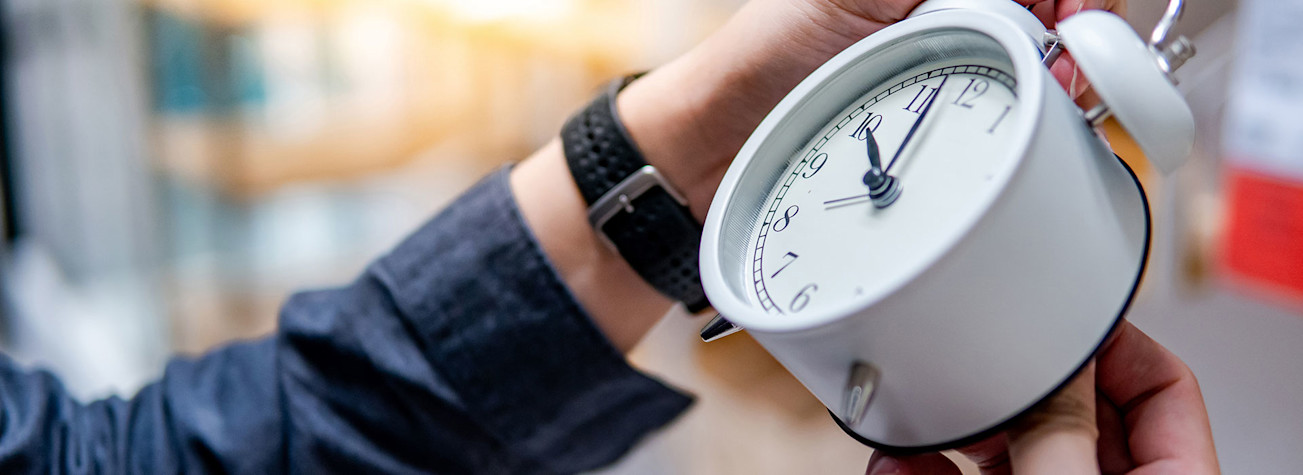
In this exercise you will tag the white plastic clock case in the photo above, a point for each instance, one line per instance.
(1022, 298)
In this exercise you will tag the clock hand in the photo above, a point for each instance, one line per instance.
(844, 202)
(922, 115)
(883, 188)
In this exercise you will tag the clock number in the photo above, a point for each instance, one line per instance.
(976, 87)
(815, 165)
(998, 120)
(802, 298)
(868, 126)
(786, 220)
(921, 99)
(780, 269)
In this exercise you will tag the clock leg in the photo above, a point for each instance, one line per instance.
(719, 327)
(859, 390)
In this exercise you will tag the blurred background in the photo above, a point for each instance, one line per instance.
(174, 169)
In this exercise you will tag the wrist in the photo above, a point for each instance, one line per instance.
(688, 118)
(621, 303)
(670, 122)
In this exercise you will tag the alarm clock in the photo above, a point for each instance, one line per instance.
(927, 231)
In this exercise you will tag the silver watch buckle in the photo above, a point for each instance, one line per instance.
(620, 198)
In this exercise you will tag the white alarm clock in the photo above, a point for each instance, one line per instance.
(929, 233)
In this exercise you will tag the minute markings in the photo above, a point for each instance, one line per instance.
(809, 166)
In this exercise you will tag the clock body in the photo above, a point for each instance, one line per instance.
(1016, 245)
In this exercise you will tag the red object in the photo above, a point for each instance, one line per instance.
(1264, 235)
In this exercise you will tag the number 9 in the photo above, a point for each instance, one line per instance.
(815, 165)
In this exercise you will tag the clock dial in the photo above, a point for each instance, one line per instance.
(820, 243)
(1015, 244)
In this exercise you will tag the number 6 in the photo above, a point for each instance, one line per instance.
(803, 297)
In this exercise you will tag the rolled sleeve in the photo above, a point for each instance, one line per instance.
(494, 320)
(459, 352)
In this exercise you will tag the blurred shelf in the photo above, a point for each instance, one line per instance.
(243, 161)
(596, 30)
(252, 96)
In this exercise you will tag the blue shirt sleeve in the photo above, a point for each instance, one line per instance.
(458, 352)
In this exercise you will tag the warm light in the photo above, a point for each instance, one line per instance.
(487, 11)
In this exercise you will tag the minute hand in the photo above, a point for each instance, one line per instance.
(922, 115)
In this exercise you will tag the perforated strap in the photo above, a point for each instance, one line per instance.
(649, 226)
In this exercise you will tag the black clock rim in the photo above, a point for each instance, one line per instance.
(1005, 424)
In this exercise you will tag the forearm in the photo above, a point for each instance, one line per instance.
(458, 352)
(219, 413)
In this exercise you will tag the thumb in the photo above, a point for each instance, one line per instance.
(926, 464)
(1060, 435)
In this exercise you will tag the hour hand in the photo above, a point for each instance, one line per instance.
(884, 189)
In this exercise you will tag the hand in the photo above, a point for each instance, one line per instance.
(1136, 410)
(689, 118)
(1065, 69)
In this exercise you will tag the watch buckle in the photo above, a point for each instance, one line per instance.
(620, 198)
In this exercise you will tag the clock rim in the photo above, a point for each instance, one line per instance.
(1005, 424)
(1020, 51)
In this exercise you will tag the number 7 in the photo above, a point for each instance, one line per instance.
(780, 269)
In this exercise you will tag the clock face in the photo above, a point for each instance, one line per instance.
(1010, 209)
(819, 243)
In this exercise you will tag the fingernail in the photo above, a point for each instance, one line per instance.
(883, 465)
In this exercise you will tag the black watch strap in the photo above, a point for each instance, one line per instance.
(630, 204)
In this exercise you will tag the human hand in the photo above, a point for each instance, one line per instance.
(690, 117)
(1136, 410)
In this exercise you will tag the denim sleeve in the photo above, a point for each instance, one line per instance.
(458, 352)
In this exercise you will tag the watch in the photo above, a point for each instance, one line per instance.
(630, 204)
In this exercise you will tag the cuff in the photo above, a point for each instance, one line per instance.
(523, 357)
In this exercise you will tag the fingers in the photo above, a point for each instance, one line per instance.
(1059, 436)
(926, 464)
(990, 455)
(1067, 8)
(1050, 13)
(890, 11)
(1160, 404)
(1114, 456)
